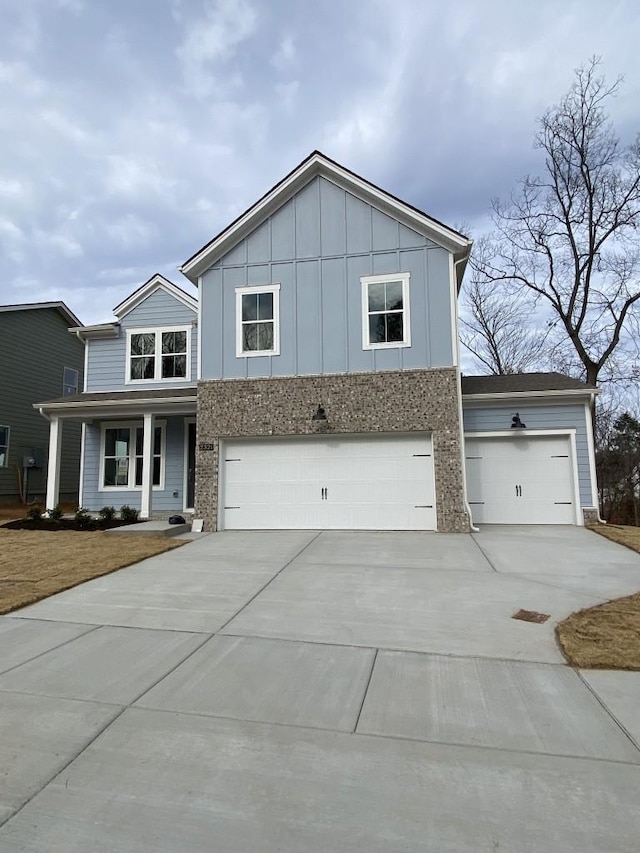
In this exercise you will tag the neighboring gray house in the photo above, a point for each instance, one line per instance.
(324, 344)
(38, 360)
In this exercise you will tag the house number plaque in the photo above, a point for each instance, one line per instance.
(206, 445)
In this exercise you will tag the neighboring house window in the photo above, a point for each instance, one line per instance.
(70, 378)
(258, 320)
(385, 311)
(154, 355)
(122, 456)
(4, 446)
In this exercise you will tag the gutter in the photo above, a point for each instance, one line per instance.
(467, 505)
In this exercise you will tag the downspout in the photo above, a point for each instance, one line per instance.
(467, 506)
(591, 442)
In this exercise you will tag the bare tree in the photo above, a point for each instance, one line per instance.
(569, 237)
(498, 327)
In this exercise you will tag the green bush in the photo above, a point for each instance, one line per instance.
(107, 513)
(55, 514)
(82, 518)
(129, 513)
(34, 513)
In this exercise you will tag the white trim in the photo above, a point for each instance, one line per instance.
(53, 463)
(158, 331)
(83, 438)
(157, 282)
(67, 315)
(314, 165)
(6, 455)
(68, 384)
(132, 425)
(199, 337)
(515, 434)
(591, 448)
(185, 477)
(453, 311)
(523, 395)
(365, 281)
(85, 377)
(259, 288)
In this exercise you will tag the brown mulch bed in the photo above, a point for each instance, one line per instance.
(606, 636)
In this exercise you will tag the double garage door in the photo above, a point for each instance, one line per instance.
(521, 480)
(337, 482)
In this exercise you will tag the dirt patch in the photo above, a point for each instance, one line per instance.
(606, 636)
(34, 564)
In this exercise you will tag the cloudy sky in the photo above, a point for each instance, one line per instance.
(132, 131)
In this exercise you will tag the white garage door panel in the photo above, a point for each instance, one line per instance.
(520, 480)
(383, 483)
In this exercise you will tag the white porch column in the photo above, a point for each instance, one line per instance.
(53, 469)
(147, 465)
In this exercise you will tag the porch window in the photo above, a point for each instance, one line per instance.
(122, 456)
(258, 320)
(4, 446)
(155, 355)
(385, 311)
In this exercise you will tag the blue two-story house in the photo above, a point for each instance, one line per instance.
(321, 364)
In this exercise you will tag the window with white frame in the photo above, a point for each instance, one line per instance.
(122, 457)
(258, 320)
(4, 446)
(70, 378)
(154, 355)
(385, 311)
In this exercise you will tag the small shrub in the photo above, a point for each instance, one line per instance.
(55, 514)
(34, 513)
(129, 513)
(107, 513)
(82, 518)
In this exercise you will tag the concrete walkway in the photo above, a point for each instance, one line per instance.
(295, 691)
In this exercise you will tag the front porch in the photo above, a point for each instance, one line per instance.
(138, 450)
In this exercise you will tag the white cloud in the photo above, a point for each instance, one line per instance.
(214, 38)
(286, 54)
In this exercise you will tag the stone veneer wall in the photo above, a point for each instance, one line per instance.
(392, 401)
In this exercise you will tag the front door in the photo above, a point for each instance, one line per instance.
(191, 465)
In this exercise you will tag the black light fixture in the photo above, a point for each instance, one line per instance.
(319, 415)
(516, 423)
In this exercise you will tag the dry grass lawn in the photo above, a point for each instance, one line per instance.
(606, 636)
(35, 564)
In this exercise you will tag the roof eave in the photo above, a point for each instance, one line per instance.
(318, 164)
(504, 396)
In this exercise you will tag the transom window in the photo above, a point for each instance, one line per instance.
(122, 456)
(385, 311)
(157, 354)
(257, 320)
(4, 446)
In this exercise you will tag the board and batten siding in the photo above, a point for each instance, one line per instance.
(550, 417)
(107, 359)
(317, 246)
(93, 498)
(36, 347)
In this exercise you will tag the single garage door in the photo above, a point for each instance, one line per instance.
(520, 480)
(340, 483)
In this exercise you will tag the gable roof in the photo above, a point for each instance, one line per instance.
(68, 315)
(155, 283)
(316, 164)
(523, 383)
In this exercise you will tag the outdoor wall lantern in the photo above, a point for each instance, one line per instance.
(319, 415)
(516, 423)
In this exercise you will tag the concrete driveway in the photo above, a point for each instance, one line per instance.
(301, 691)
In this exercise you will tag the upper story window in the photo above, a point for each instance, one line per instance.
(70, 378)
(258, 320)
(4, 446)
(385, 311)
(154, 355)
